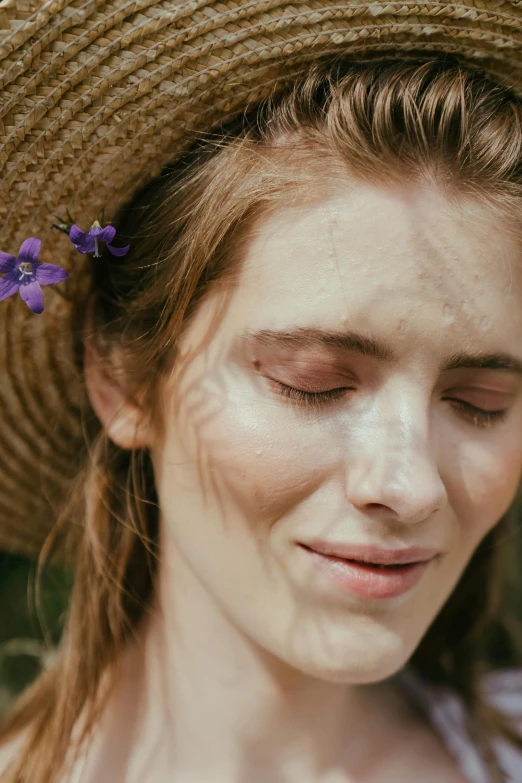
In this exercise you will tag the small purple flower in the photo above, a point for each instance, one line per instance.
(26, 274)
(88, 242)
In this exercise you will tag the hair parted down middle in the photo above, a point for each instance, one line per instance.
(385, 122)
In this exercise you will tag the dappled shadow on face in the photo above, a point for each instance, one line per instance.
(397, 458)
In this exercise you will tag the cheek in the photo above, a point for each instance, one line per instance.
(484, 478)
(242, 454)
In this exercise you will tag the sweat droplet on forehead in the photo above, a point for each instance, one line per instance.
(394, 260)
(448, 312)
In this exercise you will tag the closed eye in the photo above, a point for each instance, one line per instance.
(479, 416)
(311, 398)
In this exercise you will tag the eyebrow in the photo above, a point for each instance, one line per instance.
(307, 338)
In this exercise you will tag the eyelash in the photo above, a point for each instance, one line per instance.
(312, 399)
(480, 418)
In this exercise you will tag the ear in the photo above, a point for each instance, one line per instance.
(122, 420)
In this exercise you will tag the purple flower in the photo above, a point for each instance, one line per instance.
(88, 242)
(26, 274)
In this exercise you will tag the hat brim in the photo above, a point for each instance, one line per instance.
(95, 102)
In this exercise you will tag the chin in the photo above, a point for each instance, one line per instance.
(356, 668)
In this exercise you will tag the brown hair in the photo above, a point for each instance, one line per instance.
(379, 121)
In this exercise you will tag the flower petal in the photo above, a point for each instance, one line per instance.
(47, 274)
(29, 250)
(32, 295)
(9, 285)
(86, 246)
(119, 251)
(7, 262)
(107, 234)
(76, 235)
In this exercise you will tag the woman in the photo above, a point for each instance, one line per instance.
(293, 517)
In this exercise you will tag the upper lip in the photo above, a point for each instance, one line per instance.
(372, 553)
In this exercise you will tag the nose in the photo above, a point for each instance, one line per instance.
(394, 468)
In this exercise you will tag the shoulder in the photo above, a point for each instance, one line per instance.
(10, 750)
(503, 689)
(447, 713)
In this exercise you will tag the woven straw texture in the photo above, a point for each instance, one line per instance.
(95, 97)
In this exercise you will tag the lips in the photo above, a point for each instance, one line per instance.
(369, 580)
(376, 566)
(373, 555)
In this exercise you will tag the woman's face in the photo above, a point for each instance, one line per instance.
(399, 325)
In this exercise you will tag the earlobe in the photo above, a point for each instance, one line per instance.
(121, 419)
(125, 429)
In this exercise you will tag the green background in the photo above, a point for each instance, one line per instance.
(24, 647)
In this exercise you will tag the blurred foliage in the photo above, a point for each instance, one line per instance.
(27, 640)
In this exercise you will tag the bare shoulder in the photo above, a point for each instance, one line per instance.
(9, 751)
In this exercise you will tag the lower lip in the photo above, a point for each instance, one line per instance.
(368, 581)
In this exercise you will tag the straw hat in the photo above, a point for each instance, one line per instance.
(95, 98)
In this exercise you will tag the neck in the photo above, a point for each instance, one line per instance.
(215, 706)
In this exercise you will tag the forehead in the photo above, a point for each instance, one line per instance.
(383, 259)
